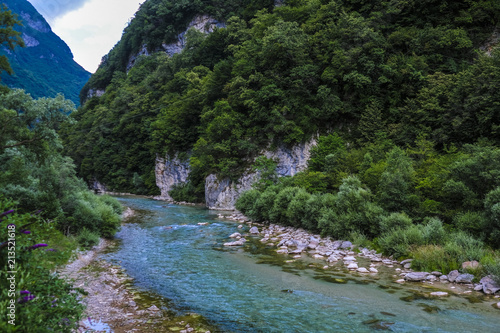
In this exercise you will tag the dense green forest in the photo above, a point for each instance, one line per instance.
(46, 211)
(402, 96)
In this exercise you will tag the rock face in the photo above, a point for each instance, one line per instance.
(170, 171)
(95, 93)
(98, 187)
(202, 23)
(222, 194)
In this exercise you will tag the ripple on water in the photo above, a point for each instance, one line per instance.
(252, 289)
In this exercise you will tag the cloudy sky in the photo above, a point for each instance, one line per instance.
(90, 27)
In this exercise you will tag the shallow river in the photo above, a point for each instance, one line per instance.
(252, 289)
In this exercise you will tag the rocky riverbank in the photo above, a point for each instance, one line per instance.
(299, 244)
(114, 305)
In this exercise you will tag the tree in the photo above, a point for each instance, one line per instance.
(25, 121)
(8, 36)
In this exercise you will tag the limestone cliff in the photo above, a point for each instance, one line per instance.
(170, 171)
(202, 23)
(221, 194)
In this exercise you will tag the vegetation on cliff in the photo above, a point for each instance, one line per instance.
(282, 74)
(408, 89)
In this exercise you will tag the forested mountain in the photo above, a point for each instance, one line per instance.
(280, 74)
(45, 66)
(401, 98)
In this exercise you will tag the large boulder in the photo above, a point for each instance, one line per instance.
(470, 265)
(464, 278)
(490, 286)
(452, 276)
(345, 245)
(416, 276)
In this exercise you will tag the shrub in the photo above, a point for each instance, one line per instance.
(433, 258)
(110, 201)
(394, 221)
(433, 231)
(353, 212)
(472, 222)
(464, 247)
(314, 209)
(400, 241)
(264, 203)
(298, 208)
(87, 238)
(278, 213)
(492, 267)
(246, 202)
(492, 207)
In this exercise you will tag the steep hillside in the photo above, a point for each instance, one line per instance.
(277, 74)
(45, 67)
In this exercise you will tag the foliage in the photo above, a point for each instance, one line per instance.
(366, 76)
(9, 36)
(44, 302)
(33, 171)
(87, 239)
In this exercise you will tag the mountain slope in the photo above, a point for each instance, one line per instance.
(45, 67)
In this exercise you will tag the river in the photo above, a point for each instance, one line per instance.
(253, 289)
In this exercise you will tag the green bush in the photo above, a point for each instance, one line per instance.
(394, 221)
(433, 231)
(297, 211)
(48, 303)
(463, 247)
(492, 267)
(246, 202)
(433, 258)
(471, 222)
(112, 202)
(400, 241)
(278, 212)
(87, 238)
(264, 204)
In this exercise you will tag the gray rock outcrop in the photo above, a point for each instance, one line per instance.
(416, 276)
(170, 171)
(202, 23)
(221, 194)
(490, 286)
(452, 276)
(464, 278)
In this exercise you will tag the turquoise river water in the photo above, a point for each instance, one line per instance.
(253, 289)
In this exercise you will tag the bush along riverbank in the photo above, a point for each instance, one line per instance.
(299, 244)
(440, 209)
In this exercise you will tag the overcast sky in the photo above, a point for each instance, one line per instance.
(90, 27)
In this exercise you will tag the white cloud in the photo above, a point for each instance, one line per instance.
(50, 9)
(93, 29)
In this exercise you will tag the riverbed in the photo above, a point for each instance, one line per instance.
(253, 289)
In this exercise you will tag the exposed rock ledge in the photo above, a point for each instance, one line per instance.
(170, 171)
(221, 194)
(202, 23)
